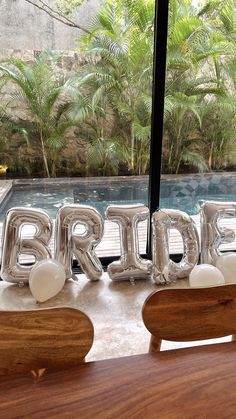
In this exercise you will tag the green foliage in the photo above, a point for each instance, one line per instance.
(67, 7)
(40, 90)
(110, 97)
(118, 75)
(218, 131)
(200, 51)
(104, 156)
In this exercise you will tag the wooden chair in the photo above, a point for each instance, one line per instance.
(190, 314)
(52, 338)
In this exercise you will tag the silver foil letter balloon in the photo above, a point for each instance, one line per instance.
(212, 235)
(14, 244)
(164, 269)
(82, 245)
(130, 265)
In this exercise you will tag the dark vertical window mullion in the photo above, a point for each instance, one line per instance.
(158, 97)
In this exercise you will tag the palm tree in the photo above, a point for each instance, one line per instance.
(198, 49)
(41, 91)
(118, 75)
(182, 125)
(104, 156)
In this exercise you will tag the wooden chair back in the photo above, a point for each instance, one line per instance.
(190, 314)
(52, 338)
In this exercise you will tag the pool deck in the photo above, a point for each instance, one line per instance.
(5, 187)
(110, 244)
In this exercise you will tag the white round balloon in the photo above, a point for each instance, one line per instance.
(226, 263)
(205, 276)
(47, 278)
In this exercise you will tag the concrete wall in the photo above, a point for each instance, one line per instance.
(24, 27)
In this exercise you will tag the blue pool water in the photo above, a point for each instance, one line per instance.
(184, 193)
(51, 198)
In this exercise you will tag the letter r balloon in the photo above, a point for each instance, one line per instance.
(67, 242)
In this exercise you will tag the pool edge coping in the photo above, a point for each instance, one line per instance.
(101, 179)
(5, 188)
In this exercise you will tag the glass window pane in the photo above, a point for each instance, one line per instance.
(198, 158)
(76, 106)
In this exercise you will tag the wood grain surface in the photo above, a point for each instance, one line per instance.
(52, 338)
(190, 314)
(197, 382)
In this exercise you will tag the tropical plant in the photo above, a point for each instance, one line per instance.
(104, 157)
(118, 75)
(184, 143)
(218, 132)
(198, 49)
(41, 91)
(111, 92)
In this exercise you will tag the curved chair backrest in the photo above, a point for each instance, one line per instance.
(52, 338)
(190, 314)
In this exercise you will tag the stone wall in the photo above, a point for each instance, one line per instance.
(25, 27)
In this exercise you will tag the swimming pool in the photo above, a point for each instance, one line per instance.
(182, 192)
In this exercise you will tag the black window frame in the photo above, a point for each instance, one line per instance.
(158, 101)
